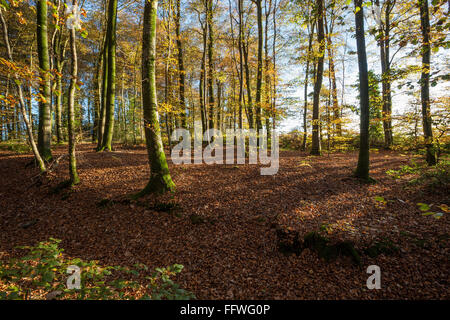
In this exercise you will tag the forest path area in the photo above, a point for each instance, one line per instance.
(222, 221)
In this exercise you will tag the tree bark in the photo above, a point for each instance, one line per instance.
(305, 106)
(362, 170)
(111, 76)
(160, 180)
(316, 148)
(45, 123)
(209, 17)
(259, 66)
(425, 82)
(71, 108)
(181, 72)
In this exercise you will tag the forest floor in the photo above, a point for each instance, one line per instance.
(223, 228)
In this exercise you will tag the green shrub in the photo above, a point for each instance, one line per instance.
(15, 146)
(42, 274)
(435, 177)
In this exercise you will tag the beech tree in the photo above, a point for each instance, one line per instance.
(72, 90)
(362, 170)
(160, 180)
(109, 75)
(316, 148)
(425, 82)
(45, 120)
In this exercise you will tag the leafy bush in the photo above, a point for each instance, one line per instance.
(435, 177)
(15, 146)
(406, 169)
(42, 274)
(291, 141)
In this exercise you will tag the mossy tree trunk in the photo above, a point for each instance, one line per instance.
(111, 76)
(362, 170)
(211, 102)
(59, 52)
(160, 180)
(384, 43)
(71, 108)
(45, 124)
(104, 87)
(425, 82)
(181, 72)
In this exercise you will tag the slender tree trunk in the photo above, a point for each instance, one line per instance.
(384, 43)
(305, 106)
(335, 104)
(111, 87)
(202, 84)
(71, 108)
(241, 62)
(59, 52)
(425, 82)
(45, 128)
(160, 180)
(103, 80)
(104, 89)
(259, 66)
(167, 78)
(362, 170)
(274, 58)
(219, 104)
(181, 72)
(316, 149)
(97, 96)
(249, 108)
(209, 17)
(267, 84)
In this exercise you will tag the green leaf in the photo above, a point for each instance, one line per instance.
(423, 206)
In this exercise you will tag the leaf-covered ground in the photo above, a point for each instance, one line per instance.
(223, 219)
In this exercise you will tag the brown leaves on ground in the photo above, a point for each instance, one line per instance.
(221, 227)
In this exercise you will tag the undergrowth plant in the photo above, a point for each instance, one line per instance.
(42, 274)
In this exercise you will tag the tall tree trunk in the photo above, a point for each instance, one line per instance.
(59, 52)
(305, 106)
(274, 58)
(97, 96)
(425, 82)
(102, 80)
(209, 17)
(160, 180)
(45, 123)
(111, 86)
(181, 72)
(202, 83)
(104, 90)
(384, 43)
(335, 104)
(267, 84)
(259, 66)
(249, 108)
(241, 62)
(362, 170)
(316, 149)
(167, 78)
(71, 108)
